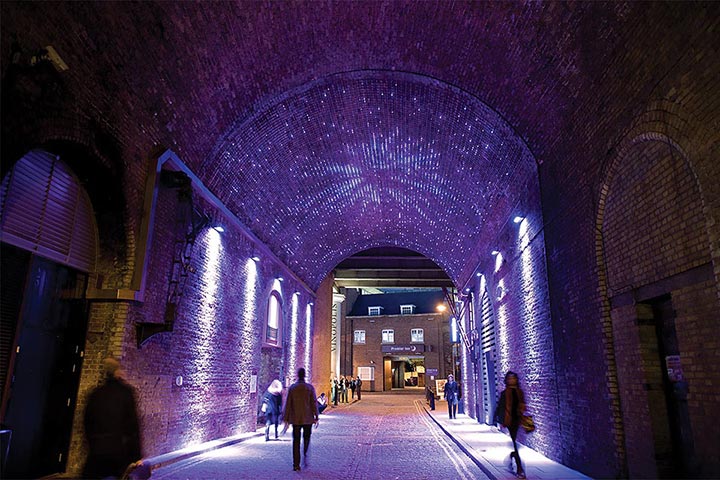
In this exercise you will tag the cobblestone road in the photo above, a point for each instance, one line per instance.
(384, 436)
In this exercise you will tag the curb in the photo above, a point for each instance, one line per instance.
(483, 465)
(179, 455)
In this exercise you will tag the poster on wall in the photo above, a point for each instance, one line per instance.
(253, 383)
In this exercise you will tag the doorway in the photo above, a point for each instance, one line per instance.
(44, 361)
(667, 391)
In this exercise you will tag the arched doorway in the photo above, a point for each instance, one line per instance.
(49, 244)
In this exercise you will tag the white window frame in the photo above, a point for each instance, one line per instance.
(388, 335)
(417, 335)
(359, 337)
(274, 320)
(374, 311)
(407, 307)
(366, 374)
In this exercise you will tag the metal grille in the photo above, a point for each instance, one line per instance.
(45, 210)
(489, 355)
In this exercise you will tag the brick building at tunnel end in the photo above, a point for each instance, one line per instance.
(178, 185)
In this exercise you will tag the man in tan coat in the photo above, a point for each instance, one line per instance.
(301, 411)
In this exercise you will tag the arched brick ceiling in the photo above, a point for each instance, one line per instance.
(197, 77)
(368, 159)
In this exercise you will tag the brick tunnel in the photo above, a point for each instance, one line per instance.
(183, 185)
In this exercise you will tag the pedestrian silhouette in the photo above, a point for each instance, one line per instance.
(272, 406)
(112, 428)
(451, 395)
(301, 412)
(430, 396)
(509, 412)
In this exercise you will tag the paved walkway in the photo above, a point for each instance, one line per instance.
(384, 436)
(490, 448)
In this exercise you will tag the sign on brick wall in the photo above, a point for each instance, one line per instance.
(403, 348)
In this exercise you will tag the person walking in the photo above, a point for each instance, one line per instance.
(358, 386)
(112, 426)
(508, 413)
(272, 406)
(451, 395)
(301, 412)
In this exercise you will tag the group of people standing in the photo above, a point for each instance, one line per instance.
(339, 388)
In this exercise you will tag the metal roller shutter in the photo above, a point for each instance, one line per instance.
(45, 210)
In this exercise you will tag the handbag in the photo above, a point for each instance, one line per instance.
(527, 423)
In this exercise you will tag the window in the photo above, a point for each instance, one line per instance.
(359, 336)
(388, 336)
(274, 315)
(407, 309)
(417, 335)
(374, 311)
(366, 373)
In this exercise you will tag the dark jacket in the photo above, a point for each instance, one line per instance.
(112, 429)
(273, 404)
(301, 404)
(451, 391)
(510, 408)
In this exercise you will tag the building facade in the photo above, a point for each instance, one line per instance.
(400, 341)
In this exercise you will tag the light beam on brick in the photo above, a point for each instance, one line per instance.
(201, 363)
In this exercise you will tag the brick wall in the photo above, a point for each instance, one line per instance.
(435, 330)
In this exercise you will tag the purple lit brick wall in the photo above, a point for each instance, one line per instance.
(571, 83)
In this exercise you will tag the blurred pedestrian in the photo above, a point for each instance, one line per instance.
(358, 386)
(430, 396)
(112, 427)
(508, 413)
(451, 395)
(301, 411)
(272, 406)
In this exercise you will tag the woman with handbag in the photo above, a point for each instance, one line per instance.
(509, 413)
(272, 406)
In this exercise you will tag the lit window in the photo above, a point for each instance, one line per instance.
(374, 311)
(359, 336)
(407, 309)
(272, 332)
(417, 335)
(388, 336)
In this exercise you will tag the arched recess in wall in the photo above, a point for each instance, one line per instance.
(652, 248)
(49, 245)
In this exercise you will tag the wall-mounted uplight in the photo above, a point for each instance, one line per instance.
(494, 252)
(255, 258)
(478, 274)
(441, 308)
(218, 228)
(280, 279)
(518, 219)
(467, 290)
